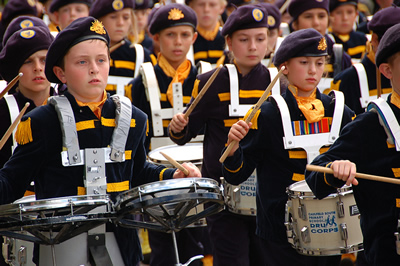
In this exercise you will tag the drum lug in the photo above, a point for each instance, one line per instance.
(397, 235)
(7, 249)
(305, 235)
(302, 212)
(236, 195)
(22, 255)
(343, 231)
(340, 208)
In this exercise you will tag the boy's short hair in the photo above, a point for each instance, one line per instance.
(57, 4)
(20, 46)
(333, 4)
(172, 15)
(383, 20)
(105, 7)
(297, 7)
(305, 42)
(389, 45)
(246, 17)
(81, 29)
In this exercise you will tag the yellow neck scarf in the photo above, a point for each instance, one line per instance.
(370, 52)
(311, 107)
(95, 106)
(395, 99)
(208, 35)
(178, 75)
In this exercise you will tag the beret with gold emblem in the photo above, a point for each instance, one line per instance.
(143, 4)
(384, 19)
(15, 8)
(246, 17)
(297, 7)
(104, 7)
(333, 4)
(57, 4)
(389, 45)
(22, 22)
(274, 15)
(20, 46)
(306, 42)
(81, 29)
(172, 15)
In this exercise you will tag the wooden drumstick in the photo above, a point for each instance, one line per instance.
(175, 163)
(254, 111)
(10, 85)
(116, 46)
(378, 83)
(321, 169)
(202, 92)
(284, 6)
(12, 127)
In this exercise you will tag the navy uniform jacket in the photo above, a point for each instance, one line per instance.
(212, 113)
(139, 98)
(41, 160)
(277, 168)
(355, 45)
(348, 82)
(209, 51)
(364, 142)
(330, 66)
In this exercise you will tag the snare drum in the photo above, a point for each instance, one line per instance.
(171, 204)
(190, 152)
(241, 199)
(330, 226)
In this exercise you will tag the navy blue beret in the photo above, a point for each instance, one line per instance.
(81, 29)
(306, 42)
(22, 22)
(384, 19)
(104, 7)
(246, 17)
(143, 4)
(297, 7)
(57, 4)
(20, 46)
(172, 15)
(15, 8)
(274, 15)
(389, 45)
(333, 4)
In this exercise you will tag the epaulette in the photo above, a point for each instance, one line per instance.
(24, 132)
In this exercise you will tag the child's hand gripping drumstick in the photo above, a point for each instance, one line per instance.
(253, 112)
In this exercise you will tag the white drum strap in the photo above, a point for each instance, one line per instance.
(338, 53)
(190, 54)
(235, 109)
(120, 82)
(387, 119)
(73, 155)
(203, 67)
(14, 111)
(139, 58)
(363, 81)
(276, 89)
(153, 95)
(278, 43)
(313, 142)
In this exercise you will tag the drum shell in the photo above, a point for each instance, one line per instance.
(330, 226)
(241, 199)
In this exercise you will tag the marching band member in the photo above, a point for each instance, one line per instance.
(24, 52)
(118, 19)
(210, 44)
(173, 27)
(343, 14)
(280, 163)
(370, 145)
(142, 11)
(314, 14)
(359, 82)
(79, 57)
(274, 22)
(246, 29)
(66, 11)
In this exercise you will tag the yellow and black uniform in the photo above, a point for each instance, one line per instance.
(209, 45)
(353, 43)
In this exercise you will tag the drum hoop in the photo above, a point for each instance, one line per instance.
(54, 203)
(165, 185)
(164, 148)
(293, 193)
